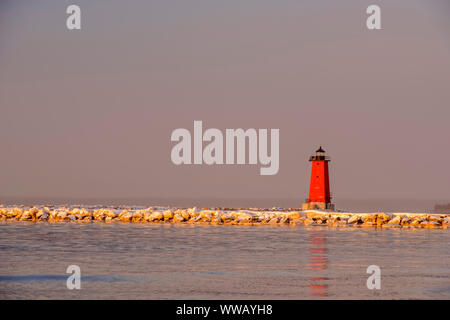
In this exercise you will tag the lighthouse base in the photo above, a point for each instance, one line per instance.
(317, 206)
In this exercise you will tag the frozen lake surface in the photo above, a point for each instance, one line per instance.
(185, 261)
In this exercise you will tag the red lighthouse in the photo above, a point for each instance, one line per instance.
(319, 188)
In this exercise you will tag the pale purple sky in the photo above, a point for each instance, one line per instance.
(89, 113)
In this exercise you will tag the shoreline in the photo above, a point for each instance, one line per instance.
(227, 216)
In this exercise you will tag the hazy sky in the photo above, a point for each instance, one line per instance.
(89, 113)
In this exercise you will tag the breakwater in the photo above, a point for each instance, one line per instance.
(252, 216)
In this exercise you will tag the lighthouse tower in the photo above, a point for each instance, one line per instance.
(319, 188)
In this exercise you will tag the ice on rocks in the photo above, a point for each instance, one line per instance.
(241, 216)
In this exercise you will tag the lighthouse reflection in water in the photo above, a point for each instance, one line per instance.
(318, 261)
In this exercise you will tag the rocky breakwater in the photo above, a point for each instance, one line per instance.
(223, 216)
